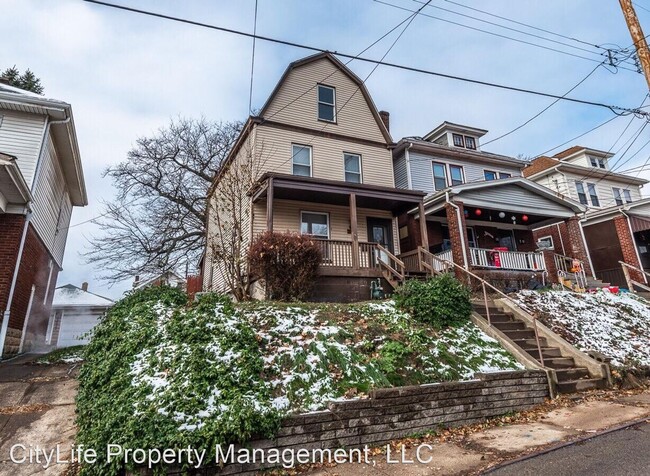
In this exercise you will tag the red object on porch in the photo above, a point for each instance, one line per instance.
(496, 256)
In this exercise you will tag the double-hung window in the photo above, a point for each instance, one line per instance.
(490, 175)
(627, 195)
(315, 224)
(582, 196)
(352, 163)
(456, 175)
(301, 160)
(622, 196)
(593, 195)
(326, 103)
(439, 176)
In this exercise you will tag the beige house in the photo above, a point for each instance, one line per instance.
(316, 160)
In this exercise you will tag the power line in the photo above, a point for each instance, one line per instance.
(498, 34)
(524, 32)
(250, 93)
(545, 109)
(612, 108)
(578, 136)
(641, 7)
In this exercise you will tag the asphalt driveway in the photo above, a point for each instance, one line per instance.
(36, 409)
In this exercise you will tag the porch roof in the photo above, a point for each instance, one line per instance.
(515, 194)
(14, 191)
(640, 208)
(311, 189)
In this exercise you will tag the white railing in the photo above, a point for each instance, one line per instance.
(567, 267)
(513, 260)
(442, 256)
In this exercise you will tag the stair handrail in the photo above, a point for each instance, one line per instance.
(398, 262)
(484, 283)
(580, 275)
(424, 254)
(628, 278)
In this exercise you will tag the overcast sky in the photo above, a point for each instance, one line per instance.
(126, 74)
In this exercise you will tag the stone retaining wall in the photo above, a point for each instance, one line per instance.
(399, 412)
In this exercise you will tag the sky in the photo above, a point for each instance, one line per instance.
(126, 75)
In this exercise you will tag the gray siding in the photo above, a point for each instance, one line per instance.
(514, 194)
(422, 174)
(401, 175)
(21, 135)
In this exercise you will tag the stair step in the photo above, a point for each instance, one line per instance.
(500, 318)
(547, 352)
(520, 334)
(577, 373)
(559, 362)
(527, 343)
(508, 326)
(571, 386)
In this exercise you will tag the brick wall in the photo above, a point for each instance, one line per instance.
(11, 230)
(628, 247)
(560, 236)
(412, 241)
(577, 244)
(34, 271)
(395, 413)
(456, 232)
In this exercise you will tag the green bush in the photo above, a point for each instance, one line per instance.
(441, 301)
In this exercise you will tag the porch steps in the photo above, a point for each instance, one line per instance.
(570, 282)
(571, 378)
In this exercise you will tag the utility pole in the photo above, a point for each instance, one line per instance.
(637, 37)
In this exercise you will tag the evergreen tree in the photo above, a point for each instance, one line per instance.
(27, 81)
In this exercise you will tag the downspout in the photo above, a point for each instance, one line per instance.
(407, 158)
(636, 250)
(46, 135)
(559, 233)
(584, 240)
(460, 228)
(7, 312)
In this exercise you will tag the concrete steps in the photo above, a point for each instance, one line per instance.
(571, 378)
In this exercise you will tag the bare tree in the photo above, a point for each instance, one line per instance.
(157, 222)
(230, 216)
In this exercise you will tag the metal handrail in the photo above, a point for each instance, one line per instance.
(484, 283)
(628, 278)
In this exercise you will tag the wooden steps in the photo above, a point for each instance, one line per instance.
(571, 378)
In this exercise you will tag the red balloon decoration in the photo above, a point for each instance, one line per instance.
(478, 212)
(524, 218)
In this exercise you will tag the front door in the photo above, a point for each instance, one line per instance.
(380, 230)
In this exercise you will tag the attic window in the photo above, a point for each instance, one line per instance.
(326, 103)
(470, 143)
(600, 163)
(458, 140)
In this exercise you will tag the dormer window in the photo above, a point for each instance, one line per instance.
(458, 140)
(466, 142)
(326, 103)
(470, 143)
(595, 162)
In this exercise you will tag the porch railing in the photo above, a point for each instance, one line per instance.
(336, 253)
(631, 282)
(567, 267)
(513, 260)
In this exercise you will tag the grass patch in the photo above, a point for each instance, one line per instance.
(66, 355)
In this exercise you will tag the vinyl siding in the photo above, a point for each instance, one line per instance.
(286, 217)
(296, 102)
(21, 135)
(401, 174)
(51, 209)
(422, 173)
(327, 155)
(515, 195)
(566, 184)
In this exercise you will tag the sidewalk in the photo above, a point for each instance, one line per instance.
(36, 408)
(471, 450)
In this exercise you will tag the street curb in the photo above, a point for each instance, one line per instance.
(559, 446)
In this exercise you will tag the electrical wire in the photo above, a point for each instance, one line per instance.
(250, 93)
(613, 108)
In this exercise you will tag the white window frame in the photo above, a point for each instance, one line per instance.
(319, 102)
(451, 178)
(618, 196)
(345, 172)
(311, 159)
(627, 193)
(509, 175)
(584, 192)
(591, 186)
(496, 174)
(433, 175)
(545, 238)
(326, 214)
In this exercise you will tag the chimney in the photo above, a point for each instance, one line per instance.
(84, 286)
(385, 118)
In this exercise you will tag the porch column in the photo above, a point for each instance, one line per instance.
(269, 205)
(458, 233)
(424, 236)
(577, 243)
(353, 231)
(628, 247)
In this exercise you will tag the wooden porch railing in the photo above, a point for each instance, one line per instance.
(392, 267)
(631, 282)
(513, 260)
(336, 253)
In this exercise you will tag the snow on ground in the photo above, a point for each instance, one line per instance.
(617, 325)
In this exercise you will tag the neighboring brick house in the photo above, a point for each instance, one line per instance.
(41, 179)
(323, 166)
(484, 195)
(616, 225)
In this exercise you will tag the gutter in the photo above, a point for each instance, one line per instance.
(7, 312)
(408, 165)
(460, 228)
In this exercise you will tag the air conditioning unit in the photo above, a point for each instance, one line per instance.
(544, 245)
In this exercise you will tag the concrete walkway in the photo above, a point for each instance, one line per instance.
(36, 409)
(475, 450)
